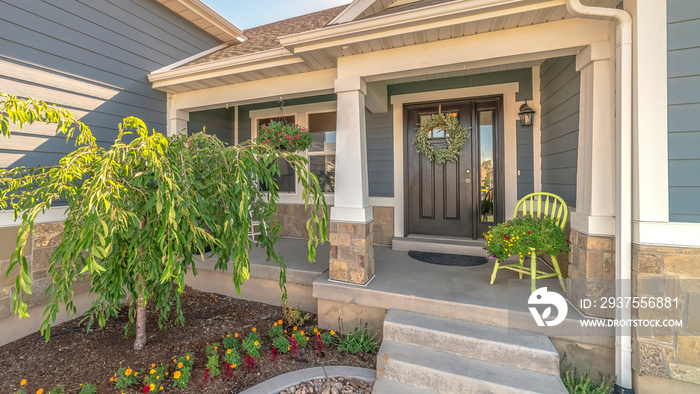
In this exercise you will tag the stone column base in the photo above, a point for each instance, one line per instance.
(591, 257)
(352, 254)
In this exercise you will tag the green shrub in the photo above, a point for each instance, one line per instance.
(213, 359)
(294, 317)
(281, 343)
(360, 339)
(88, 388)
(231, 342)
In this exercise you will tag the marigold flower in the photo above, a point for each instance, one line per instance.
(161, 387)
(157, 377)
(256, 343)
(228, 351)
(152, 386)
(40, 391)
(174, 360)
(111, 379)
(228, 335)
(315, 330)
(23, 382)
(279, 321)
(307, 338)
(302, 332)
(216, 347)
(332, 332)
(166, 374)
(180, 365)
(275, 324)
(255, 329)
(153, 365)
(233, 366)
(295, 328)
(153, 371)
(176, 375)
(235, 335)
(285, 331)
(128, 372)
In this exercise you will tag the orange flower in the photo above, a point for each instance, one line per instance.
(307, 338)
(332, 332)
(315, 330)
(161, 388)
(153, 365)
(275, 324)
(176, 375)
(136, 374)
(279, 321)
(285, 331)
(302, 332)
(23, 382)
(295, 328)
(256, 343)
(235, 335)
(128, 372)
(40, 391)
(216, 347)
(228, 335)
(255, 329)
(152, 371)
(174, 360)
(187, 357)
(152, 386)
(180, 365)
(233, 366)
(111, 379)
(166, 374)
(228, 351)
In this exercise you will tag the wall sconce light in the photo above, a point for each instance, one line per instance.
(527, 115)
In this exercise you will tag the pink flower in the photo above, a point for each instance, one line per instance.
(264, 127)
(263, 142)
(298, 136)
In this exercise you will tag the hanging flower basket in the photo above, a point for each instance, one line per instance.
(291, 137)
(454, 142)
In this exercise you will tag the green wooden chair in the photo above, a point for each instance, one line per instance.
(538, 205)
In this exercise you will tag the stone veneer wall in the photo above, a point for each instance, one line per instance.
(591, 257)
(662, 352)
(293, 219)
(39, 248)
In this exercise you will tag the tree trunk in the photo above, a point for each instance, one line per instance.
(140, 341)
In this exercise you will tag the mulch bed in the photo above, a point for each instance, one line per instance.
(73, 356)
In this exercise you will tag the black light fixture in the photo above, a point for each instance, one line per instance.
(527, 115)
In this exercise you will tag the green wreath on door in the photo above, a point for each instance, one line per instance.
(456, 138)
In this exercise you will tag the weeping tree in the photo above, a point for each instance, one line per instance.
(141, 213)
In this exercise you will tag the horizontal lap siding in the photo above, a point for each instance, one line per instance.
(218, 122)
(559, 101)
(93, 58)
(526, 173)
(380, 154)
(683, 110)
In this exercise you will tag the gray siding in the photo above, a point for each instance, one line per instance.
(684, 110)
(380, 153)
(560, 88)
(92, 58)
(526, 173)
(219, 122)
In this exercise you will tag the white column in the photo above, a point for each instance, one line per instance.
(351, 185)
(595, 190)
(177, 118)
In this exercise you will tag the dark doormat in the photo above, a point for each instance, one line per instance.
(448, 259)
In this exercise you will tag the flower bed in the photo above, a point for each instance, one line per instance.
(216, 349)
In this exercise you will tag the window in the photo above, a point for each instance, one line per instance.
(286, 181)
(486, 154)
(321, 153)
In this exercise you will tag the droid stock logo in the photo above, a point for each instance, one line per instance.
(542, 297)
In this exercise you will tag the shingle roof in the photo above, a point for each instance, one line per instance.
(264, 37)
(406, 7)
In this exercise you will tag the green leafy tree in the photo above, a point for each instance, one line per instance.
(140, 214)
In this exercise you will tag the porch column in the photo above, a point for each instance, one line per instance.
(593, 223)
(352, 255)
(177, 118)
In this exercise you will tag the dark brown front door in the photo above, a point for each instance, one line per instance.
(450, 199)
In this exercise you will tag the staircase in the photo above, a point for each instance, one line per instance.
(424, 354)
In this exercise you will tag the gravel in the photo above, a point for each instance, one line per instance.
(337, 385)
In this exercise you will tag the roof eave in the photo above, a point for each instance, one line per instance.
(207, 19)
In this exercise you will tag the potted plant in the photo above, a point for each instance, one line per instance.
(520, 236)
(282, 135)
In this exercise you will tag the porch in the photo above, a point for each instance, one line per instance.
(403, 283)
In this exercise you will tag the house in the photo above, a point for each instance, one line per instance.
(612, 86)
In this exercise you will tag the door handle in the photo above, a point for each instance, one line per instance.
(468, 180)
(468, 171)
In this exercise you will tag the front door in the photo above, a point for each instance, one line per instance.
(455, 199)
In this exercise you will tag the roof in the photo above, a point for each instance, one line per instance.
(405, 7)
(263, 38)
(206, 19)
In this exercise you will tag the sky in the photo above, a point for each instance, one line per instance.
(250, 13)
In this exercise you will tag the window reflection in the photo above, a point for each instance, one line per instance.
(486, 155)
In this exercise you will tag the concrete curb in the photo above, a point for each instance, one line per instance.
(281, 382)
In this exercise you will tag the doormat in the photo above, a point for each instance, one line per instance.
(458, 260)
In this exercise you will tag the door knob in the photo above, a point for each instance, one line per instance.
(468, 171)
(467, 180)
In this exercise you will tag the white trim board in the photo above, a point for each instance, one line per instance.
(508, 91)
(57, 214)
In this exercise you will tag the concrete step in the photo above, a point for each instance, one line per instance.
(386, 386)
(440, 245)
(452, 374)
(478, 341)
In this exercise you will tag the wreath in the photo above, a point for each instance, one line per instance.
(456, 137)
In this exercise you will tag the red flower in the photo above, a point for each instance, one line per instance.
(528, 232)
(146, 388)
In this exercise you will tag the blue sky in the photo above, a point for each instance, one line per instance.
(250, 13)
